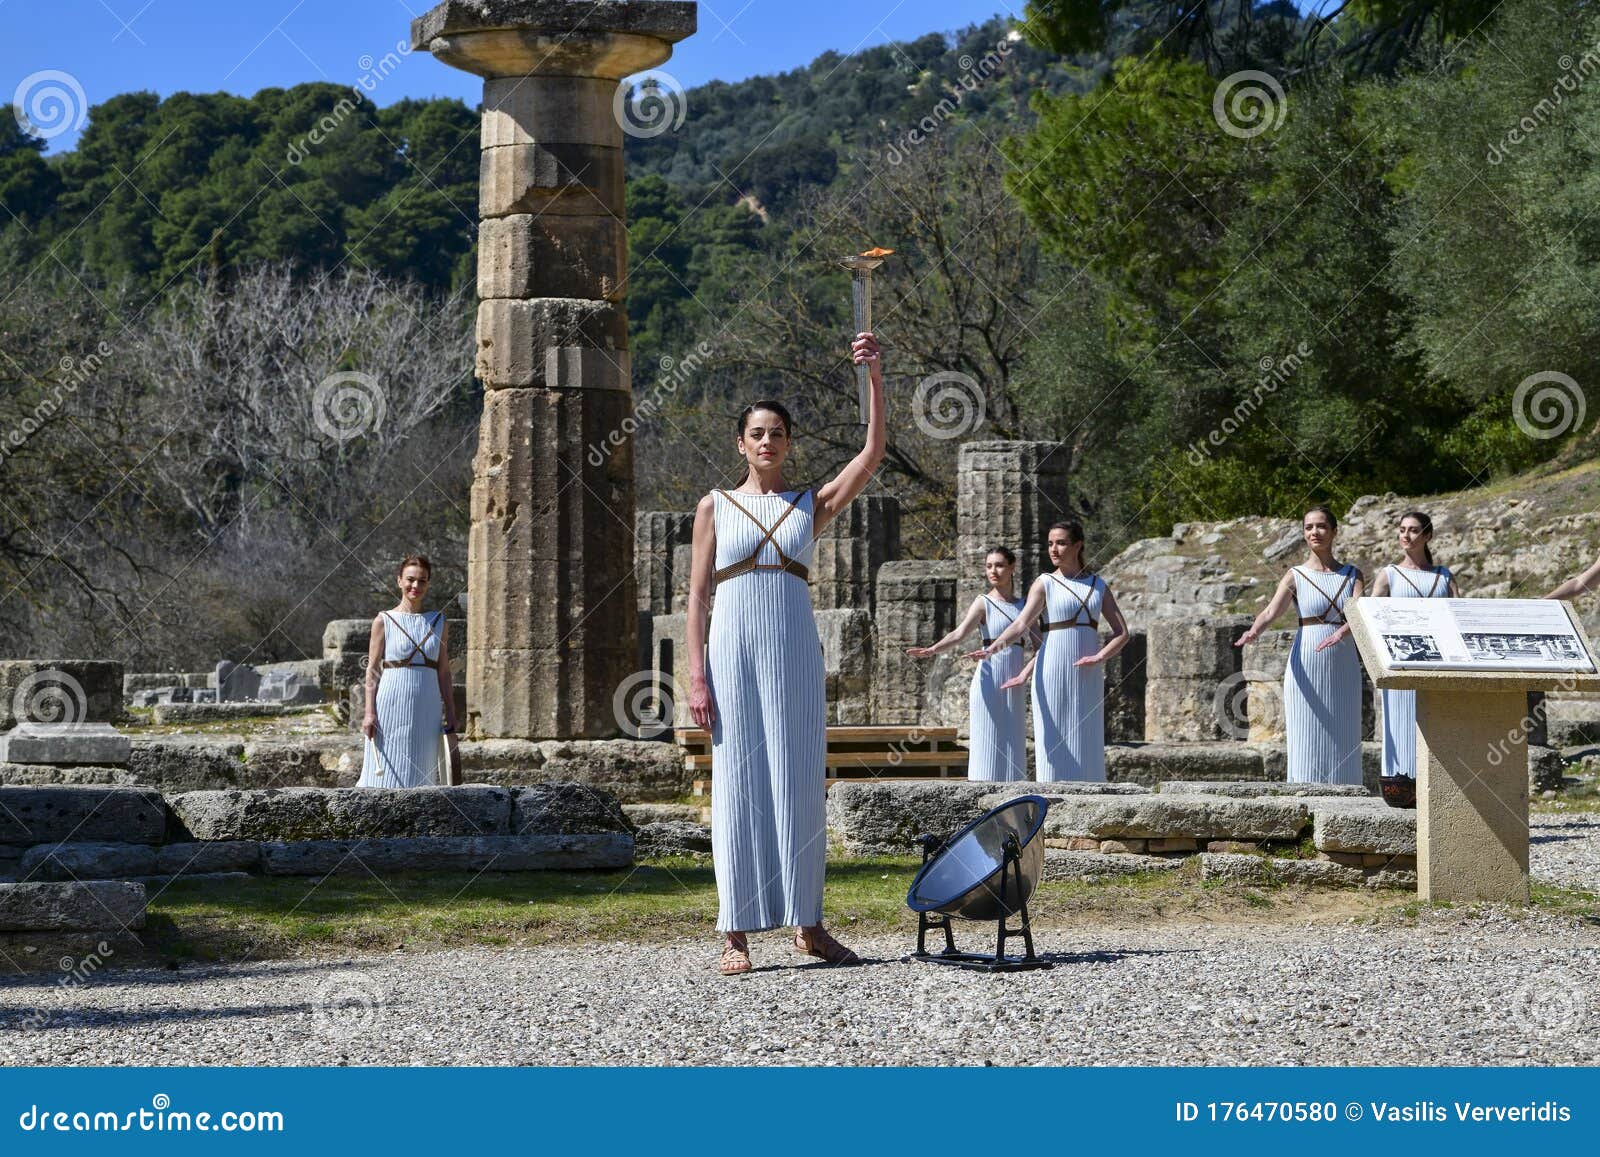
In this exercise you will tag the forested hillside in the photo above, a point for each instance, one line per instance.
(1235, 257)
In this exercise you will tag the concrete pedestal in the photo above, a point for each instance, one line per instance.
(1472, 796)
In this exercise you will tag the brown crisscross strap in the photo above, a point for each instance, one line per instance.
(1001, 607)
(745, 566)
(1083, 607)
(416, 647)
(1333, 603)
(1433, 586)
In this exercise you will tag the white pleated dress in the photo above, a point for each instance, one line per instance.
(410, 747)
(764, 670)
(1069, 725)
(997, 743)
(1322, 689)
(1400, 707)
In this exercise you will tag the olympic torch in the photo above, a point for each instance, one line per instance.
(861, 266)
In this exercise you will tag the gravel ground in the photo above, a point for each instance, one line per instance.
(1565, 849)
(1453, 988)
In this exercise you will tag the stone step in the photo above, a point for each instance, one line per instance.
(111, 905)
(48, 814)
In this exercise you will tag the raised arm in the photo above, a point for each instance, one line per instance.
(1281, 598)
(702, 564)
(962, 629)
(840, 491)
(1030, 611)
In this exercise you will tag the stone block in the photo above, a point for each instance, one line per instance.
(553, 343)
(916, 605)
(630, 770)
(502, 853)
(87, 860)
(565, 809)
(1196, 817)
(1126, 689)
(1257, 787)
(847, 662)
(39, 815)
(308, 813)
(1363, 826)
(237, 682)
(1123, 847)
(1246, 869)
(64, 743)
(208, 858)
(544, 256)
(672, 838)
(1151, 763)
(551, 110)
(657, 534)
(175, 764)
(59, 691)
(849, 551)
(1092, 866)
(1198, 648)
(71, 907)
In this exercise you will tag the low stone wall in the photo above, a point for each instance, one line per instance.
(48, 690)
(1360, 833)
(55, 841)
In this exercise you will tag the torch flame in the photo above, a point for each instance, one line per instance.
(875, 252)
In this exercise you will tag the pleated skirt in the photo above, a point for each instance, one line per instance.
(769, 841)
(1322, 708)
(1069, 725)
(997, 740)
(1400, 733)
(410, 745)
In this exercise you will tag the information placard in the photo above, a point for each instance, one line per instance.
(1476, 635)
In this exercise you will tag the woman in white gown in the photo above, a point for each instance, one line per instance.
(997, 739)
(1069, 720)
(410, 718)
(1416, 576)
(1322, 679)
(759, 685)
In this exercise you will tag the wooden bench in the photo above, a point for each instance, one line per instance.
(857, 752)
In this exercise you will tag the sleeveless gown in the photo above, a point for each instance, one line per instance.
(410, 748)
(1069, 702)
(765, 673)
(1322, 689)
(1400, 707)
(997, 747)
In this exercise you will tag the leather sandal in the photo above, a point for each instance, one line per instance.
(735, 960)
(824, 947)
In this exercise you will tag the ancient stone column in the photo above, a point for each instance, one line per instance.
(553, 629)
(916, 606)
(1193, 672)
(1008, 493)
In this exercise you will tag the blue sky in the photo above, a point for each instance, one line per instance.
(242, 46)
